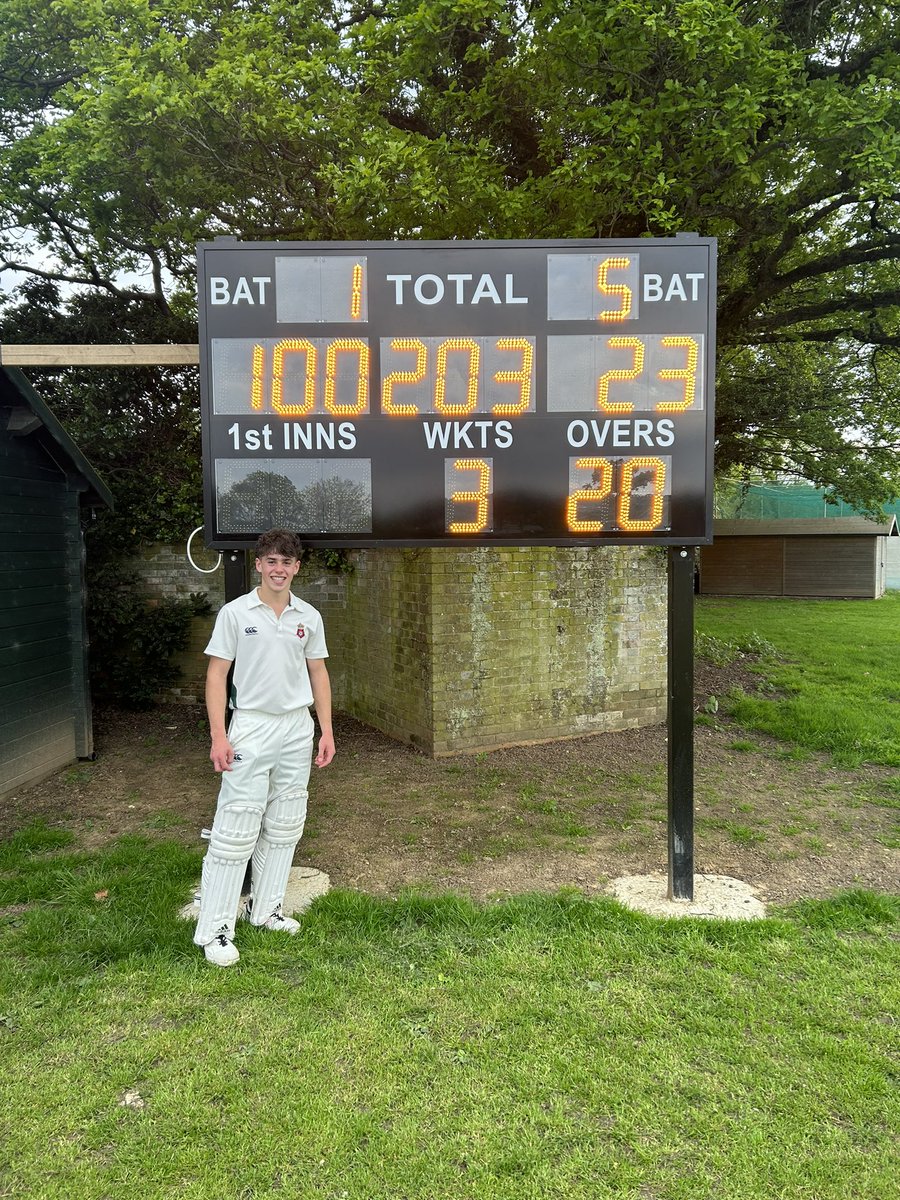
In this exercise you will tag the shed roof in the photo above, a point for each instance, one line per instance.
(31, 417)
(809, 527)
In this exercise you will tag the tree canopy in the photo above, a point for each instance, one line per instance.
(139, 426)
(130, 129)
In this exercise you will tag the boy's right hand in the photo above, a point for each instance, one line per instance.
(221, 754)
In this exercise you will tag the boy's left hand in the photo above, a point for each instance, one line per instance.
(326, 750)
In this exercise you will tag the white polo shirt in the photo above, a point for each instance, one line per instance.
(269, 653)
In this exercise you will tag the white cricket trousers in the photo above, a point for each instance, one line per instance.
(260, 814)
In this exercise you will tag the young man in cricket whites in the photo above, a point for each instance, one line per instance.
(277, 644)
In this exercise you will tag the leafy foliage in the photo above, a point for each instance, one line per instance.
(139, 427)
(722, 651)
(128, 131)
(133, 639)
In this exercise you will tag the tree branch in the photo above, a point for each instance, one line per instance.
(93, 280)
(824, 308)
(851, 67)
(736, 307)
(866, 337)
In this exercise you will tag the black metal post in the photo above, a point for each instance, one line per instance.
(237, 577)
(237, 582)
(681, 723)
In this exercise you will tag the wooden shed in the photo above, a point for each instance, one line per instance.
(47, 488)
(892, 565)
(833, 557)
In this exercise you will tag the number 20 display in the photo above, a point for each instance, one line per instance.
(467, 393)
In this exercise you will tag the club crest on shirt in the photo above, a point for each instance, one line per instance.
(301, 632)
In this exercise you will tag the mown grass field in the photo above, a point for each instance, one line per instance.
(429, 1047)
(832, 668)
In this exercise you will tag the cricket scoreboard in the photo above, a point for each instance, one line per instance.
(555, 393)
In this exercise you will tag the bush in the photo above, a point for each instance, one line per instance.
(133, 639)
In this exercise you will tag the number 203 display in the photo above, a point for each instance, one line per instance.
(475, 393)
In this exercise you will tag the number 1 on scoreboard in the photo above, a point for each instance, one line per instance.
(316, 289)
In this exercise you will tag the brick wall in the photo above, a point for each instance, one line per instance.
(546, 643)
(378, 622)
(460, 649)
(166, 573)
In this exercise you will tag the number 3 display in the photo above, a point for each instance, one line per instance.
(421, 393)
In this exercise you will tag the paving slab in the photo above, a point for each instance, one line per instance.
(717, 896)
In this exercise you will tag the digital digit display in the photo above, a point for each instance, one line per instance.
(473, 393)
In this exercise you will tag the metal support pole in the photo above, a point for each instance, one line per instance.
(237, 583)
(237, 577)
(681, 723)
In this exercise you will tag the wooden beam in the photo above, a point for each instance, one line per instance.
(22, 421)
(99, 356)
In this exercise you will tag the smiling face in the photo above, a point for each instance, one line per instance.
(276, 573)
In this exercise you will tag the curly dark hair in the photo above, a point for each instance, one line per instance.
(279, 541)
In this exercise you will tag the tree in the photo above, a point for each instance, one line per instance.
(336, 504)
(269, 499)
(261, 500)
(138, 426)
(128, 131)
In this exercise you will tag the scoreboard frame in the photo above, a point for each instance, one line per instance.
(470, 393)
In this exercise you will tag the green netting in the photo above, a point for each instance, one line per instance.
(780, 501)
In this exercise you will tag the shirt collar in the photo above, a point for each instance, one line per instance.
(256, 601)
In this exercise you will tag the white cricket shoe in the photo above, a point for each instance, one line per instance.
(278, 922)
(221, 951)
(282, 924)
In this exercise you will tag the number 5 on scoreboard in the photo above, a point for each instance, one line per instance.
(468, 494)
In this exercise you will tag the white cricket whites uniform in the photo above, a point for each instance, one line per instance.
(261, 808)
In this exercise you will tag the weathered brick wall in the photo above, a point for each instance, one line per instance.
(467, 649)
(461, 649)
(546, 643)
(166, 573)
(378, 626)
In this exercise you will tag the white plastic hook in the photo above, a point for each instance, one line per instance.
(202, 570)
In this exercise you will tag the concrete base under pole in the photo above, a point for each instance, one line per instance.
(717, 896)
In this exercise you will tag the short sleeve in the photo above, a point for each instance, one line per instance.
(223, 642)
(315, 647)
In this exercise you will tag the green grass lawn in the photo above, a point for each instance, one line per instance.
(428, 1048)
(833, 665)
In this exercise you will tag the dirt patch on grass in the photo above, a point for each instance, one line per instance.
(573, 813)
